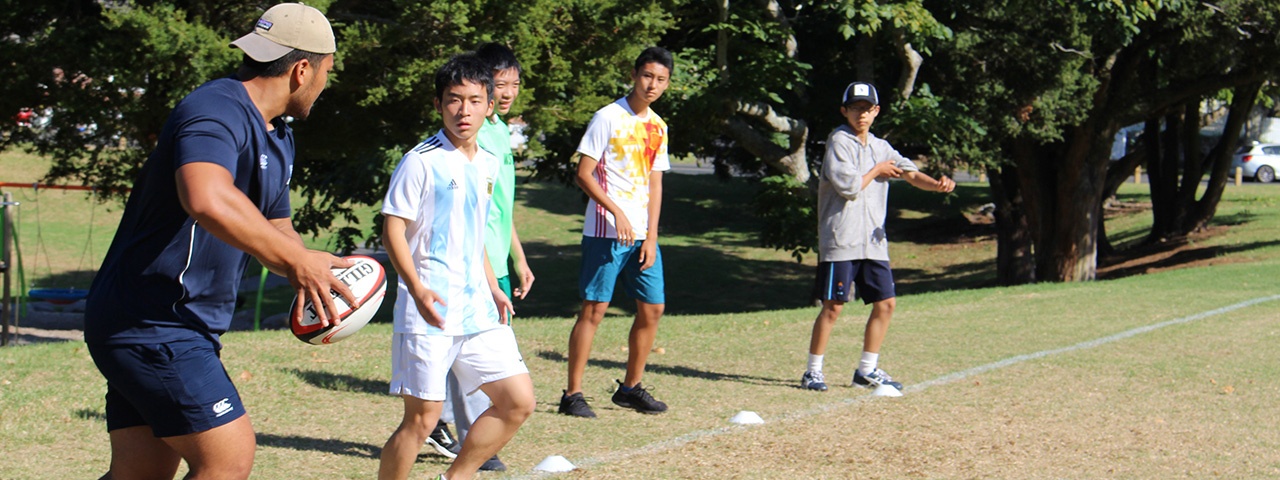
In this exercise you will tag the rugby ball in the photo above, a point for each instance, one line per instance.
(367, 281)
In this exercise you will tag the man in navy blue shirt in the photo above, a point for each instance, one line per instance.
(214, 191)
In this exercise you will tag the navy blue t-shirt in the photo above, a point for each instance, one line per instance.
(165, 277)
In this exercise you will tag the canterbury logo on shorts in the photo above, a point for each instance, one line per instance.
(223, 407)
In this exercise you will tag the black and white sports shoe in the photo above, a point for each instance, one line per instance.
(638, 399)
(493, 465)
(575, 405)
(812, 380)
(442, 441)
(874, 379)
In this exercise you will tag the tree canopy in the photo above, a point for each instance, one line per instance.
(1030, 91)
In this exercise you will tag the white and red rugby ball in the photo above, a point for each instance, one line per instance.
(368, 282)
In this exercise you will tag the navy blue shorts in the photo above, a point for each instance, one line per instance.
(605, 259)
(870, 280)
(176, 388)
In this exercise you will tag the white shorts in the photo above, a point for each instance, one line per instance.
(420, 363)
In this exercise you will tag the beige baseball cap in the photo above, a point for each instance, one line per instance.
(285, 27)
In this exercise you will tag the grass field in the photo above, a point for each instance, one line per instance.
(1164, 375)
(1197, 399)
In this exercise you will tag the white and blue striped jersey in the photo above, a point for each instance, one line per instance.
(445, 199)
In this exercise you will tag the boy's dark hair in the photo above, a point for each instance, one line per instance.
(656, 55)
(464, 67)
(281, 66)
(499, 57)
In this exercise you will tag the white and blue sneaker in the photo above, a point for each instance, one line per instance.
(812, 380)
(874, 379)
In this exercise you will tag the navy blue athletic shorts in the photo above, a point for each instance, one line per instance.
(870, 280)
(176, 388)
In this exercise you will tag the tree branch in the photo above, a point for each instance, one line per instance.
(770, 153)
(765, 113)
(911, 60)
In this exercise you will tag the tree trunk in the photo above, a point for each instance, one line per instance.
(1163, 175)
(1015, 263)
(864, 68)
(1220, 157)
(911, 61)
(1072, 244)
(790, 160)
(722, 37)
(1034, 187)
(1117, 173)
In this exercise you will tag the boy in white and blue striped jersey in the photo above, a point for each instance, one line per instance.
(450, 313)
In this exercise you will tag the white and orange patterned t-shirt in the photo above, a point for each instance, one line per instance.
(628, 148)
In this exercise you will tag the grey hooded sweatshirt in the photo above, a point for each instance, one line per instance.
(851, 218)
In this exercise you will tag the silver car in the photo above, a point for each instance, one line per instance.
(1259, 161)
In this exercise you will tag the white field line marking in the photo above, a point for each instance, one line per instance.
(690, 437)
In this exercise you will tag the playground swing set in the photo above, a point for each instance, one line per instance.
(11, 262)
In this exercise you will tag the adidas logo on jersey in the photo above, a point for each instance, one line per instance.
(453, 184)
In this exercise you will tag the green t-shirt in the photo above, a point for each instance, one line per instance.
(495, 138)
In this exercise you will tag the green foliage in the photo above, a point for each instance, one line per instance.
(578, 56)
(946, 126)
(862, 17)
(789, 215)
(110, 76)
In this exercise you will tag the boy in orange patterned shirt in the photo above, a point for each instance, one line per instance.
(621, 159)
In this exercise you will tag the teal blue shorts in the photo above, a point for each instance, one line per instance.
(505, 283)
(604, 260)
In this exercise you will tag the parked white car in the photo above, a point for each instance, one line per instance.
(1259, 161)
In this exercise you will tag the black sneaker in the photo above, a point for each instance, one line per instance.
(442, 441)
(637, 399)
(493, 465)
(575, 405)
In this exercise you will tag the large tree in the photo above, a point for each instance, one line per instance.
(1054, 82)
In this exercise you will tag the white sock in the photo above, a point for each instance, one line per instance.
(815, 363)
(868, 363)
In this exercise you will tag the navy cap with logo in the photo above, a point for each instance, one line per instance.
(860, 92)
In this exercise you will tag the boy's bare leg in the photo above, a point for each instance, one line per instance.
(878, 324)
(823, 325)
(643, 332)
(513, 402)
(580, 339)
(402, 448)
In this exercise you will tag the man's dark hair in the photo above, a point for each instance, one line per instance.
(281, 66)
(656, 55)
(499, 57)
(465, 67)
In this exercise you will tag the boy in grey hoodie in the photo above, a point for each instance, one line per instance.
(853, 251)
